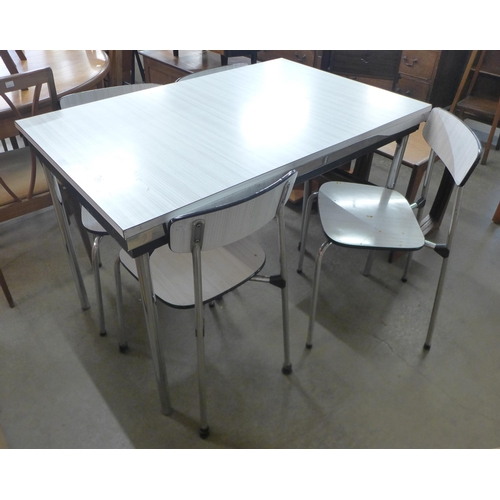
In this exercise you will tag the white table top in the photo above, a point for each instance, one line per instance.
(141, 158)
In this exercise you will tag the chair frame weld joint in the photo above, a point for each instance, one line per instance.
(277, 280)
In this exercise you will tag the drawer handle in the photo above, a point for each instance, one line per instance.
(405, 59)
(300, 58)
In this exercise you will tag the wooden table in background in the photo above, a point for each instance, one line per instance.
(74, 71)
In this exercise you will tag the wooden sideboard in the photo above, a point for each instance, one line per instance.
(431, 75)
(312, 58)
(428, 75)
(162, 66)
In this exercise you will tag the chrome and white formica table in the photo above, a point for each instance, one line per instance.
(139, 159)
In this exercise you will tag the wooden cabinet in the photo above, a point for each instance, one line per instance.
(162, 66)
(374, 67)
(427, 75)
(307, 57)
(431, 75)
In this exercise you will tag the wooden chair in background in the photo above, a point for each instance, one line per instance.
(23, 187)
(478, 95)
(9, 62)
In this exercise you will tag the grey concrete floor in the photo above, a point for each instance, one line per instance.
(367, 383)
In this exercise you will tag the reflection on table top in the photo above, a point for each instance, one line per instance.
(140, 158)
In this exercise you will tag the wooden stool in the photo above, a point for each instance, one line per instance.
(416, 157)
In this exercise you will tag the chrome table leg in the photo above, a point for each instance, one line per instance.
(62, 219)
(151, 315)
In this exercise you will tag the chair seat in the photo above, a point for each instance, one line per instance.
(90, 224)
(223, 269)
(363, 216)
(15, 171)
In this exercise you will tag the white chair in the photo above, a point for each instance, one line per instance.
(209, 254)
(377, 218)
(88, 220)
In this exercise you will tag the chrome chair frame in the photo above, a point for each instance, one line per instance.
(460, 151)
(218, 229)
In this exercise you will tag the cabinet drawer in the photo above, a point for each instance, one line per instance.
(416, 89)
(367, 63)
(303, 56)
(419, 63)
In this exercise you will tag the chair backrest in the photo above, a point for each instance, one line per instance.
(23, 188)
(26, 94)
(454, 143)
(235, 218)
(76, 99)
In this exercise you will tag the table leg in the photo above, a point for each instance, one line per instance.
(151, 315)
(63, 226)
(396, 162)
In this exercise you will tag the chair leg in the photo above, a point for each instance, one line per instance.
(442, 274)
(97, 283)
(306, 216)
(314, 300)
(202, 386)
(287, 364)
(435, 307)
(122, 342)
(369, 261)
(200, 341)
(6, 290)
(409, 258)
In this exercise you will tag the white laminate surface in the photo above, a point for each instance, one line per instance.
(141, 158)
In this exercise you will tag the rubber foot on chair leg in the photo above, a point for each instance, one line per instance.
(309, 346)
(123, 348)
(404, 280)
(286, 370)
(299, 271)
(427, 347)
(102, 334)
(204, 432)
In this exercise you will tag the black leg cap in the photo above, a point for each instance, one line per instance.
(123, 348)
(286, 370)
(427, 347)
(204, 432)
(309, 346)
(404, 280)
(102, 334)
